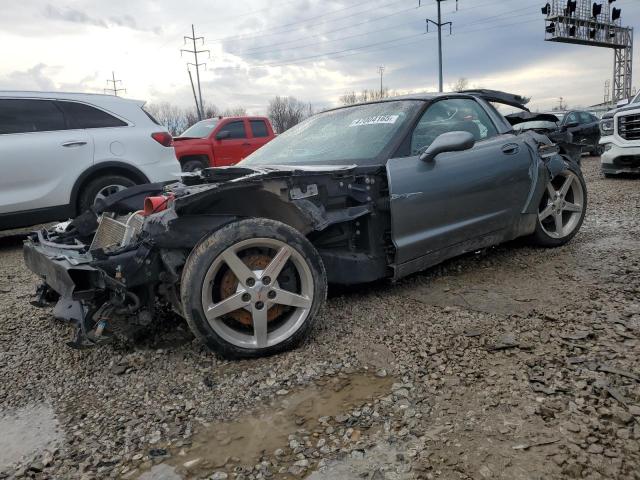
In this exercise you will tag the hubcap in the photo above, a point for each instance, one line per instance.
(107, 191)
(257, 293)
(561, 206)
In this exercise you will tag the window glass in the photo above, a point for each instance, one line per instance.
(21, 116)
(585, 117)
(357, 134)
(80, 115)
(259, 128)
(458, 114)
(572, 118)
(235, 129)
(201, 129)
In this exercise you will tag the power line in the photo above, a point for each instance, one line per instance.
(262, 34)
(114, 85)
(347, 27)
(299, 60)
(195, 53)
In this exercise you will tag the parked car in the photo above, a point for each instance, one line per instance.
(352, 195)
(585, 129)
(620, 141)
(61, 152)
(217, 142)
(569, 137)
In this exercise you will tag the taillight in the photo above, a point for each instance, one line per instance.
(163, 138)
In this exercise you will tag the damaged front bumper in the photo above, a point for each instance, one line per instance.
(65, 271)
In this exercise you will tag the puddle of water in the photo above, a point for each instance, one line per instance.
(249, 437)
(26, 432)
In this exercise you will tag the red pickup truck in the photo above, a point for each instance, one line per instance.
(220, 141)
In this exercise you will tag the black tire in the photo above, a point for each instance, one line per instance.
(609, 175)
(597, 151)
(540, 237)
(203, 256)
(90, 191)
(193, 165)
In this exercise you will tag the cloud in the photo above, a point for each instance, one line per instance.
(35, 78)
(72, 15)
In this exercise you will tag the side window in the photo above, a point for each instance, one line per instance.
(585, 117)
(22, 116)
(259, 128)
(235, 129)
(80, 115)
(572, 118)
(457, 114)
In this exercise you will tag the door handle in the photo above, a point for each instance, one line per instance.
(74, 144)
(246, 144)
(510, 149)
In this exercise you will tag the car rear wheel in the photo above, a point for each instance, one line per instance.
(101, 188)
(562, 209)
(193, 165)
(253, 288)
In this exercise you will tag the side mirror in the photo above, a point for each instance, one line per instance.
(571, 125)
(448, 142)
(222, 135)
(622, 103)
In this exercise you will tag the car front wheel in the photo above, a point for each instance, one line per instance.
(562, 208)
(253, 288)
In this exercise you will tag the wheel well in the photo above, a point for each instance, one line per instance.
(90, 175)
(202, 157)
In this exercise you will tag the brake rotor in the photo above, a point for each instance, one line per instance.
(229, 286)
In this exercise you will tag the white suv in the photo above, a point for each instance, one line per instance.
(620, 138)
(60, 152)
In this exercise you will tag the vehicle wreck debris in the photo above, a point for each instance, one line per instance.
(352, 195)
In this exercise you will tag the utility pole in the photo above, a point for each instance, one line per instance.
(381, 72)
(439, 24)
(195, 53)
(193, 89)
(114, 88)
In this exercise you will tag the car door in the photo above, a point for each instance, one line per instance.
(231, 147)
(578, 132)
(259, 135)
(591, 129)
(40, 157)
(459, 196)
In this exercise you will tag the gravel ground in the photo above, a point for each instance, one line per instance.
(514, 363)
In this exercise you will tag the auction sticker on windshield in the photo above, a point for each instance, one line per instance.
(374, 120)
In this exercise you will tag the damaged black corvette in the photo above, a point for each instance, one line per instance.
(351, 195)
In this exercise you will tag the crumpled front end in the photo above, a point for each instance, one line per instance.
(113, 269)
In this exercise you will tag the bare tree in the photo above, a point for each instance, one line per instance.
(461, 84)
(209, 111)
(169, 115)
(286, 112)
(365, 95)
(235, 112)
(349, 98)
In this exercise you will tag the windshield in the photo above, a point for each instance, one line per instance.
(344, 136)
(201, 129)
(536, 124)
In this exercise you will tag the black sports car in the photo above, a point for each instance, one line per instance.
(351, 195)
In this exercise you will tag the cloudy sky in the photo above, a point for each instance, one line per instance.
(314, 50)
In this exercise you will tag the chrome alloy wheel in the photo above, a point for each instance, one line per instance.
(562, 205)
(258, 291)
(108, 191)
